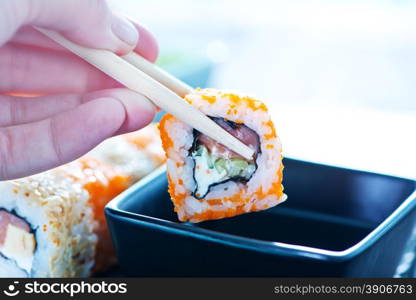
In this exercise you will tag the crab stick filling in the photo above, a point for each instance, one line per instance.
(215, 164)
(17, 242)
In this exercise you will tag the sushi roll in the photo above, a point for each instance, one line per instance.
(102, 183)
(53, 224)
(134, 154)
(209, 181)
(47, 228)
(110, 169)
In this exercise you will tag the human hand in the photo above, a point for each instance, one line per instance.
(78, 106)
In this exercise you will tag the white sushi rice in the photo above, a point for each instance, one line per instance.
(9, 269)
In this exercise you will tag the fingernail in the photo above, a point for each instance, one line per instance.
(125, 30)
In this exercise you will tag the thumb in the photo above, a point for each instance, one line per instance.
(87, 22)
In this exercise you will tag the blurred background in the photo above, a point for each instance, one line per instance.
(338, 76)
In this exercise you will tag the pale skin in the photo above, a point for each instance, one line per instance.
(77, 106)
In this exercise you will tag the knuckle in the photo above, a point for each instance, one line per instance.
(6, 152)
(56, 147)
(5, 110)
(17, 65)
(11, 111)
(99, 7)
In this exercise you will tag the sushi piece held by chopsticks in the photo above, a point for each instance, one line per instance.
(209, 181)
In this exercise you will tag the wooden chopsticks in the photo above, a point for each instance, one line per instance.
(174, 84)
(161, 88)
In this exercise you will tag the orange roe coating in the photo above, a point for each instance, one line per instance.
(188, 100)
(147, 140)
(279, 186)
(211, 214)
(103, 183)
(140, 142)
(177, 198)
(210, 99)
(235, 101)
(238, 198)
(272, 133)
(252, 103)
(215, 201)
(167, 142)
(241, 198)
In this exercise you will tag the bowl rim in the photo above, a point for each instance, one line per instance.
(113, 210)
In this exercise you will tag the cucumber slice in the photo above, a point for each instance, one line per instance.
(238, 163)
(236, 167)
(220, 165)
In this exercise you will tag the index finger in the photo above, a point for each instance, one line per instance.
(89, 23)
(147, 45)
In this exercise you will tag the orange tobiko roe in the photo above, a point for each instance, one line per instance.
(167, 142)
(103, 183)
(241, 198)
(147, 140)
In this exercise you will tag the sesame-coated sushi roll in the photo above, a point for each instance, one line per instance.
(102, 183)
(209, 181)
(46, 228)
(53, 224)
(109, 170)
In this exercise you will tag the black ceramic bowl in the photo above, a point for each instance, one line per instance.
(336, 222)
